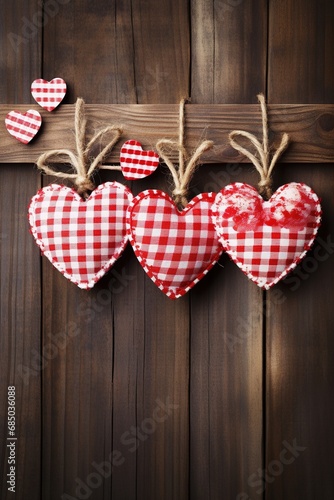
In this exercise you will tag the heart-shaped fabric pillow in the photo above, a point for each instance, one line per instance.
(137, 163)
(266, 239)
(176, 249)
(48, 94)
(23, 126)
(82, 238)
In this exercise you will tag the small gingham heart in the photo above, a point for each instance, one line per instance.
(81, 238)
(48, 94)
(176, 249)
(137, 163)
(23, 126)
(266, 239)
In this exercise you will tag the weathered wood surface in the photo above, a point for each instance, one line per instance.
(226, 413)
(186, 399)
(299, 330)
(20, 294)
(102, 393)
(310, 128)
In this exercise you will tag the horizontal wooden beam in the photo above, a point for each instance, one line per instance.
(310, 127)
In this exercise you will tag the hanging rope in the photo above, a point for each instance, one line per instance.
(261, 161)
(182, 173)
(80, 162)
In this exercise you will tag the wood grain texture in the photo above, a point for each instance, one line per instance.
(101, 392)
(161, 59)
(78, 392)
(300, 344)
(20, 330)
(226, 415)
(122, 393)
(228, 54)
(20, 311)
(310, 128)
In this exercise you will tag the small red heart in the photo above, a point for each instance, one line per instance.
(137, 163)
(266, 239)
(176, 249)
(81, 238)
(23, 126)
(48, 94)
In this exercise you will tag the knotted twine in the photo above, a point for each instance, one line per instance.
(82, 163)
(182, 173)
(261, 161)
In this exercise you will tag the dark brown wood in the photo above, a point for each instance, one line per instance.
(300, 343)
(226, 309)
(310, 128)
(20, 311)
(161, 62)
(78, 382)
(130, 395)
(228, 51)
(102, 392)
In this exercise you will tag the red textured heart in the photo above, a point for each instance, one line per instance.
(23, 126)
(266, 239)
(137, 163)
(48, 94)
(82, 239)
(176, 249)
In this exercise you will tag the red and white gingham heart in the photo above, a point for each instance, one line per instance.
(48, 94)
(176, 249)
(137, 163)
(23, 126)
(82, 239)
(266, 239)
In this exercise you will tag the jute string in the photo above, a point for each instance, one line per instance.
(182, 173)
(262, 162)
(83, 165)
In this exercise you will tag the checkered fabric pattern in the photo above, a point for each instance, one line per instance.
(176, 249)
(136, 163)
(23, 126)
(81, 238)
(266, 239)
(48, 94)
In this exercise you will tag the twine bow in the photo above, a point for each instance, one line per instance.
(261, 161)
(83, 165)
(186, 166)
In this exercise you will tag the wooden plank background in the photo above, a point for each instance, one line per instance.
(310, 128)
(122, 393)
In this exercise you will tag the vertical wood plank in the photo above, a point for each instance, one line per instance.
(128, 350)
(300, 345)
(227, 316)
(78, 383)
(228, 50)
(161, 61)
(20, 312)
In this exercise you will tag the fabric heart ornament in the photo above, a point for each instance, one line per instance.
(48, 94)
(266, 239)
(23, 126)
(176, 248)
(81, 238)
(137, 163)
